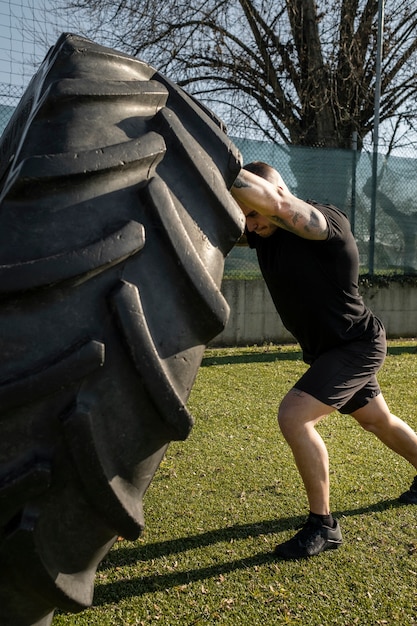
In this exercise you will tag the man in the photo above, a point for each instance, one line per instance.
(310, 262)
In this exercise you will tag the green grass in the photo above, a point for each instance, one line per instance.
(221, 501)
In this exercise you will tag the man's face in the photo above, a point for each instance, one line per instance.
(257, 223)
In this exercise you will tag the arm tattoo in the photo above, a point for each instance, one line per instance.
(276, 219)
(240, 182)
(314, 224)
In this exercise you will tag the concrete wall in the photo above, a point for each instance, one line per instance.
(253, 319)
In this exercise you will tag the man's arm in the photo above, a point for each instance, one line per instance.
(279, 205)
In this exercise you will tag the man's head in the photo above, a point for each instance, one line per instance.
(265, 171)
(256, 222)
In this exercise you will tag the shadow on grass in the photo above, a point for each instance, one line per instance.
(134, 587)
(397, 350)
(115, 591)
(269, 356)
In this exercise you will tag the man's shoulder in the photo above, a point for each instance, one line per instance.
(325, 207)
(338, 222)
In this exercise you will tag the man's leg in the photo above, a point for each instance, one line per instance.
(392, 431)
(298, 415)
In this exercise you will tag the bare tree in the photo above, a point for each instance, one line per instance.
(297, 71)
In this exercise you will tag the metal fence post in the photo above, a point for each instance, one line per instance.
(375, 142)
(353, 191)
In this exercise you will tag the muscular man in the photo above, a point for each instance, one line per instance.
(310, 263)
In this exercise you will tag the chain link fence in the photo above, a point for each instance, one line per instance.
(339, 177)
(344, 178)
(9, 99)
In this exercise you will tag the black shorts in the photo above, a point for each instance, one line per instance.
(345, 377)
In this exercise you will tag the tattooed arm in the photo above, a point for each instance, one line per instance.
(258, 196)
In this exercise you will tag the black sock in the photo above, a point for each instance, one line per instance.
(326, 520)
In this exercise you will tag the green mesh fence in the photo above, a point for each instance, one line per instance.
(344, 178)
(340, 177)
(9, 98)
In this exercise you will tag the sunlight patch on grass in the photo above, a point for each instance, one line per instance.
(221, 501)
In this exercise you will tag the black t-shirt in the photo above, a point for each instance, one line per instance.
(314, 285)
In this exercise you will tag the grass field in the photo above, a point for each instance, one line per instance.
(223, 499)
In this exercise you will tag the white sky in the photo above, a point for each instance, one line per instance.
(27, 29)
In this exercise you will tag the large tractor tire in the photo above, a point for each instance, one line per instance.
(115, 219)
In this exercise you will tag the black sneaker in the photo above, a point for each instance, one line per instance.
(410, 496)
(312, 539)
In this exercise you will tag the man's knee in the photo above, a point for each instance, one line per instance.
(292, 412)
(299, 411)
(287, 412)
(284, 418)
(374, 415)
